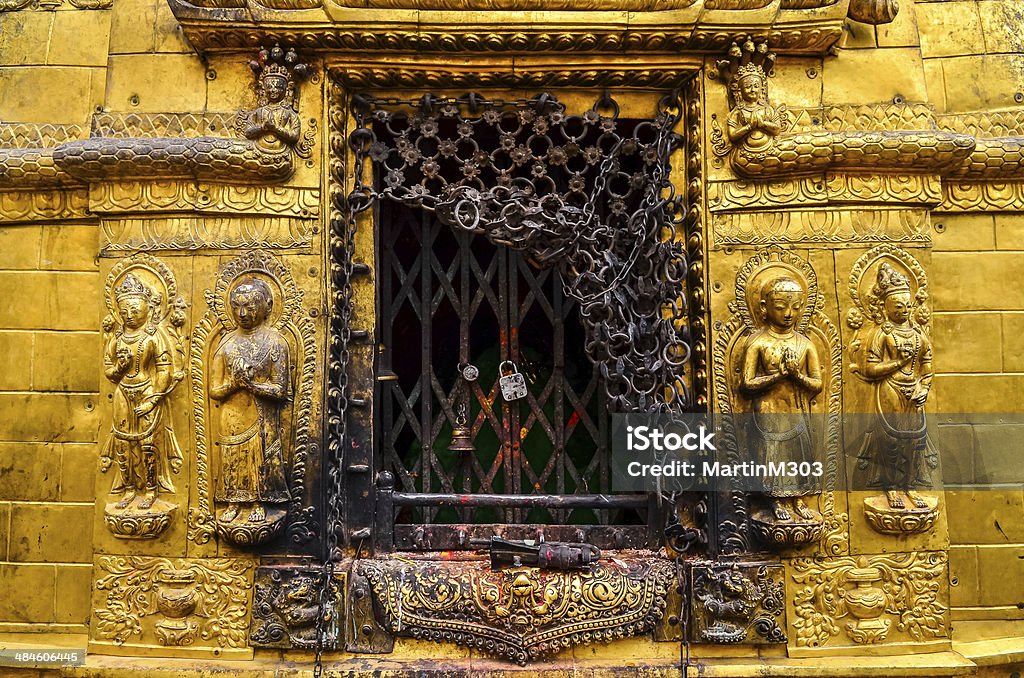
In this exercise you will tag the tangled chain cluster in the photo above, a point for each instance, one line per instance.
(589, 194)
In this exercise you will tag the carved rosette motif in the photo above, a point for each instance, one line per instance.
(288, 445)
(869, 598)
(286, 606)
(740, 520)
(738, 603)
(171, 601)
(144, 359)
(521, 613)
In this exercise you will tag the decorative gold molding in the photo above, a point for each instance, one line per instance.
(28, 135)
(849, 228)
(740, 194)
(884, 189)
(527, 5)
(977, 196)
(880, 596)
(415, 78)
(521, 613)
(43, 205)
(50, 5)
(207, 232)
(156, 125)
(203, 198)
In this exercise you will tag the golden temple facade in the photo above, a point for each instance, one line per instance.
(318, 315)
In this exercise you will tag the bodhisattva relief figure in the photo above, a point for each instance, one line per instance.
(897, 447)
(274, 124)
(249, 378)
(781, 374)
(139, 358)
(753, 122)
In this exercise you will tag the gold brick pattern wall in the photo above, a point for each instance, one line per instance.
(971, 52)
(62, 66)
(49, 383)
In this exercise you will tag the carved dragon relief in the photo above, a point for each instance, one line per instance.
(520, 612)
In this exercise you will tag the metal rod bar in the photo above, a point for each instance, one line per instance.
(520, 501)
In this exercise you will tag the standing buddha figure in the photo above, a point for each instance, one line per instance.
(781, 374)
(250, 380)
(899, 364)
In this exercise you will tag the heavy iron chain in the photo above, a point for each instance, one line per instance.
(343, 232)
(611, 234)
(627, 271)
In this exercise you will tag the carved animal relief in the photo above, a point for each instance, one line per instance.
(777, 368)
(892, 353)
(739, 603)
(144, 358)
(287, 605)
(253, 359)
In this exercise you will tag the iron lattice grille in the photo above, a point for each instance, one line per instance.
(587, 194)
(449, 299)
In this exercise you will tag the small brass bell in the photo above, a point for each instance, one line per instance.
(462, 435)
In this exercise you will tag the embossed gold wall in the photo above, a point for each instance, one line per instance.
(950, 65)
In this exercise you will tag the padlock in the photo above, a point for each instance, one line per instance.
(513, 384)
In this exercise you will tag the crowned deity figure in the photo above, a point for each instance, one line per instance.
(139, 357)
(899, 365)
(752, 122)
(274, 124)
(781, 374)
(250, 379)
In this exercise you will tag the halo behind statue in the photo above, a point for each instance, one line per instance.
(265, 267)
(864, 275)
(152, 273)
(762, 269)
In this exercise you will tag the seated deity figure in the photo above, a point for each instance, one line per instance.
(250, 380)
(138, 359)
(781, 374)
(752, 122)
(899, 363)
(274, 124)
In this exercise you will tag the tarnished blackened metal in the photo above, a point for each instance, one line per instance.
(287, 609)
(587, 194)
(547, 555)
(521, 613)
(738, 603)
(363, 633)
